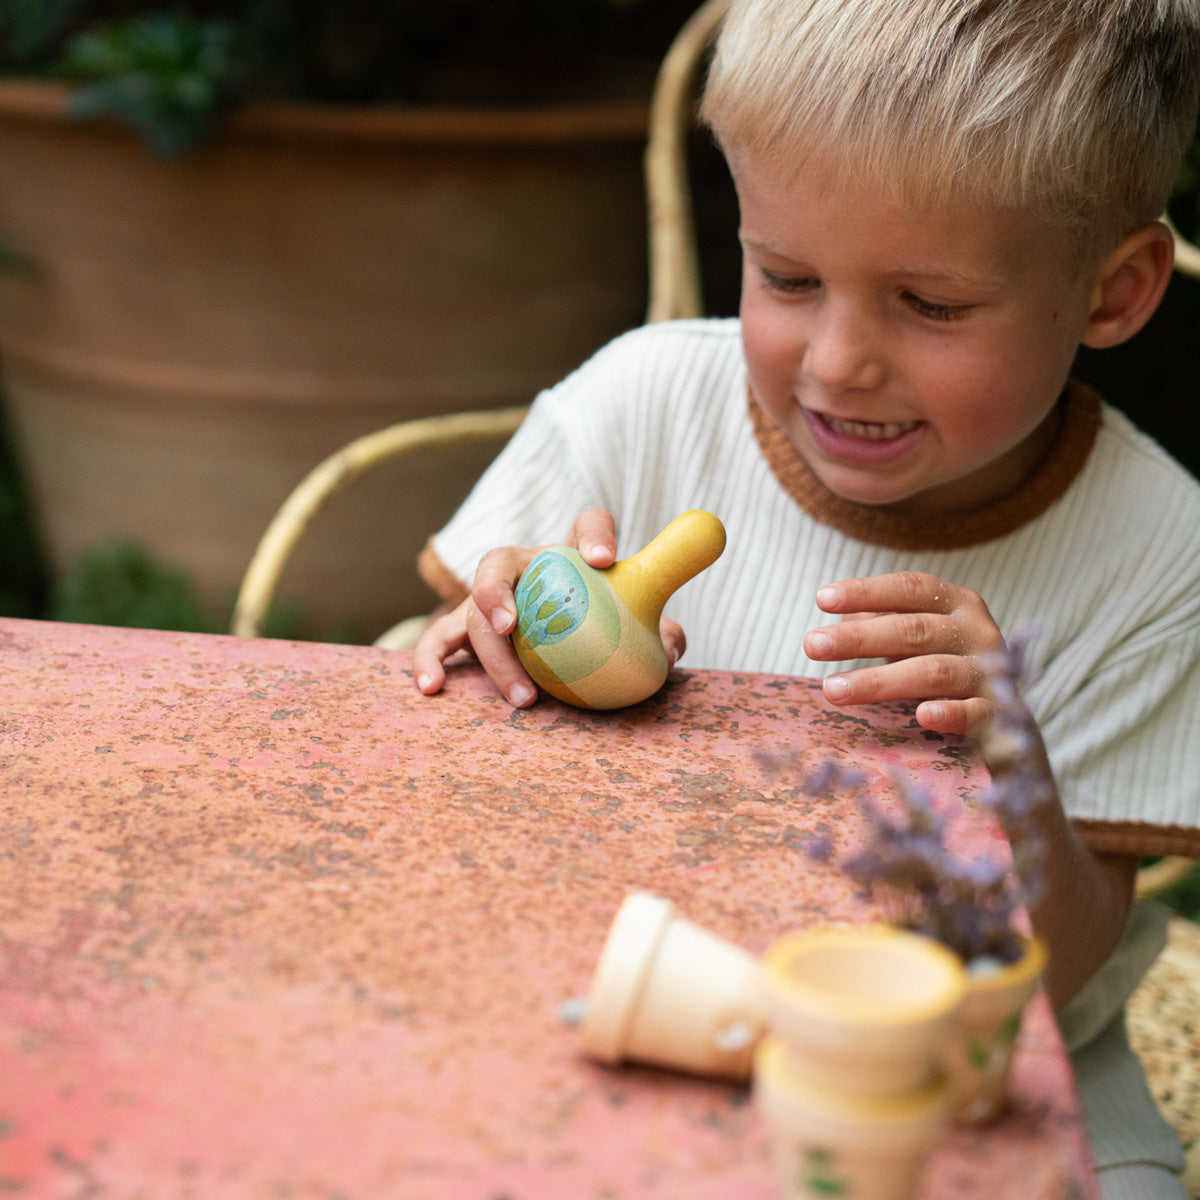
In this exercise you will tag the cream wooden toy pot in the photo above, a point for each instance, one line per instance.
(590, 637)
(978, 1057)
(669, 992)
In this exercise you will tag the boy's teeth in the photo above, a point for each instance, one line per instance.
(876, 431)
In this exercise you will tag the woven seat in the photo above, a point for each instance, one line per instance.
(1163, 1019)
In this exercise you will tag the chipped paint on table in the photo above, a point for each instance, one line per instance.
(273, 925)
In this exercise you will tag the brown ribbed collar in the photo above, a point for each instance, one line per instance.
(1076, 433)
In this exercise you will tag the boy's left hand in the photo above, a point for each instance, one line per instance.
(932, 634)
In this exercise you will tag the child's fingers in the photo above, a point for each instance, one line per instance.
(594, 535)
(928, 677)
(443, 636)
(969, 718)
(901, 591)
(495, 580)
(901, 635)
(498, 658)
(673, 639)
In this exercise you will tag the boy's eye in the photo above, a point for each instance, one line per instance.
(791, 284)
(935, 311)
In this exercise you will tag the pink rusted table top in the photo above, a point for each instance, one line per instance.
(272, 925)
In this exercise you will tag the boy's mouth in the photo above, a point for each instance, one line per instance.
(873, 431)
(867, 442)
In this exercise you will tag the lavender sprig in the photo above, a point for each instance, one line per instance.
(969, 904)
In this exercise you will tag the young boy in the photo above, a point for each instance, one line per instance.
(940, 201)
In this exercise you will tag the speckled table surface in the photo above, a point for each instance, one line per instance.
(272, 925)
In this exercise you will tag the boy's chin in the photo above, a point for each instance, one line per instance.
(874, 494)
(894, 501)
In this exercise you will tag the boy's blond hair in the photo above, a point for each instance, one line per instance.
(1078, 110)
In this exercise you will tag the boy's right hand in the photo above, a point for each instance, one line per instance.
(484, 621)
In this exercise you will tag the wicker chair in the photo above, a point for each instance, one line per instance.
(674, 292)
(1163, 1019)
(424, 435)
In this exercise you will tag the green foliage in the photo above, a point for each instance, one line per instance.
(1184, 896)
(167, 75)
(120, 583)
(117, 583)
(12, 260)
(30, 29)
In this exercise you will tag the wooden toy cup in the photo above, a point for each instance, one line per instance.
(827, 1143)
(863, 1010)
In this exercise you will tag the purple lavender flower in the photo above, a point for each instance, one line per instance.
(968, 904)
(819, 848)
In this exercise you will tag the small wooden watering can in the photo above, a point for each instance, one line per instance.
(590, 637)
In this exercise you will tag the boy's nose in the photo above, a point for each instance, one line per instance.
(842, 351)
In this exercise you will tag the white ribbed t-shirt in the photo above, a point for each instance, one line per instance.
(1097, 557)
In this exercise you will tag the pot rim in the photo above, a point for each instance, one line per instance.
(946, 992)
(1023, 971)
(774, 1077)
(574, 123)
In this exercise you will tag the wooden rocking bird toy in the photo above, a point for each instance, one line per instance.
(590, 637)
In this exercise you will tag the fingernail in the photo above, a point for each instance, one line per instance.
(423, 682)
(500, 619)
(828, 596)
(837, 687)
(820, 645)
(934, 712)
(521, 694)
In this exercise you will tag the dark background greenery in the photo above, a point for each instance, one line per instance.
(172, 69)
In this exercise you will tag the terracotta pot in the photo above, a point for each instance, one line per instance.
(979, 1054)
(197, 333)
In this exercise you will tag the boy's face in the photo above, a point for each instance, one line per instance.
(913, 360)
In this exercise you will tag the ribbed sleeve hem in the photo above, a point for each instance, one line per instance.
(1139, 837)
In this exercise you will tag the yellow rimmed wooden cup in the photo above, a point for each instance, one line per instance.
(864, 1010)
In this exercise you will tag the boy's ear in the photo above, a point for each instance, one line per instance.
(1129, 285)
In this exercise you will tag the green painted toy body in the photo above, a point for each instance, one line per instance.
(590, 637)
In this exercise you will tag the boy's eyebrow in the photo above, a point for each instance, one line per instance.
(992, 283)
(763, 247)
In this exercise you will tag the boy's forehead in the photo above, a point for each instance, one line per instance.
(915, 187)
(788, 214)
